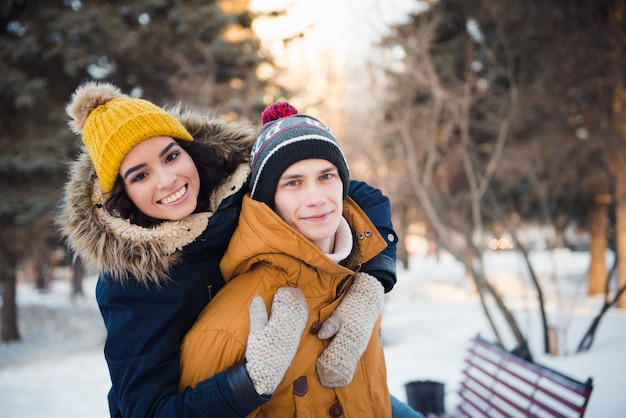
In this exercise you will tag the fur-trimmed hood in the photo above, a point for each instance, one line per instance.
(124, 250)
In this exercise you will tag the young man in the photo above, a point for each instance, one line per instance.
(298, 229)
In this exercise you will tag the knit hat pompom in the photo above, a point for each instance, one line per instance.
(111, 124)
(286, 138)
(85, 99)
(276, 111)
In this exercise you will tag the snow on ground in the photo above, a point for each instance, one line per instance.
(58, 370)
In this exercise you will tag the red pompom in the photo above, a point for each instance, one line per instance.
(276, 111)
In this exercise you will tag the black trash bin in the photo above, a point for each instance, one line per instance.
(426, 396)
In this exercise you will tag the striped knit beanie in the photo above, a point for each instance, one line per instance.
(112, 123)
(286, 138)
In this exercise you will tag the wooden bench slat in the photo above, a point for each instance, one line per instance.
(475, 407)
(535, 385)
(498, 381)
(485, 406)
(488, 401)
(583, 389)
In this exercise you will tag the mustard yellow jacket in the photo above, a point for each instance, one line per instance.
(265, 254)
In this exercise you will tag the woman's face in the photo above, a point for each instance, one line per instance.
(161, 179)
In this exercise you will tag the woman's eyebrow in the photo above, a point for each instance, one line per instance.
(132, 169)
(167, 148)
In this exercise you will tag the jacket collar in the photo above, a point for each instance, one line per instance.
(262, 236)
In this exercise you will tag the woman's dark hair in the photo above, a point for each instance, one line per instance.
(212, 170)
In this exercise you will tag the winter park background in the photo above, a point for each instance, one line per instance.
(58, 370)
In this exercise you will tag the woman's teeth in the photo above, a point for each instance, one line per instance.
(174, 197)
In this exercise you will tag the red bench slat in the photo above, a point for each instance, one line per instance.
(498, 381)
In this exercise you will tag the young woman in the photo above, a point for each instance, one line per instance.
(151, 203)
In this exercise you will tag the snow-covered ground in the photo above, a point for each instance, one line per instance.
(58, 370)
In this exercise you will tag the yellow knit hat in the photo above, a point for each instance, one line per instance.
(112, 123)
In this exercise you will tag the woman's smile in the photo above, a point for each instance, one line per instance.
(174, 197)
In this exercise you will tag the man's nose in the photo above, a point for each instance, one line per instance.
(315, 195)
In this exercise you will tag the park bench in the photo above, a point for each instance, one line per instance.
(499, 383)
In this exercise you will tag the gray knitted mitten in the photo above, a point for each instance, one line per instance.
(351, 324)
(272, 343)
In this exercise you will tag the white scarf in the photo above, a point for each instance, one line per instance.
(343, 242)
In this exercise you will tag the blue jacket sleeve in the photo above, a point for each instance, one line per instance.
(144, 329)
(216, 395)
(378, 208)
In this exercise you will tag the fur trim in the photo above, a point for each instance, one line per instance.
(86, 98)
(124, 250)
(224, 136)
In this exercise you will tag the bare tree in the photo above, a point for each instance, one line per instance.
(448, 129)
(609, 300)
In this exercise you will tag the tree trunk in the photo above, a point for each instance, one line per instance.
(401, 248)
(478, 281)
(42, 276)
(9, 330)
(540, 298)
(598, 246)
(587, 339)
(77, 277)
(620, 224)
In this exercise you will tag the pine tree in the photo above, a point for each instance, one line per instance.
(201, 53)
